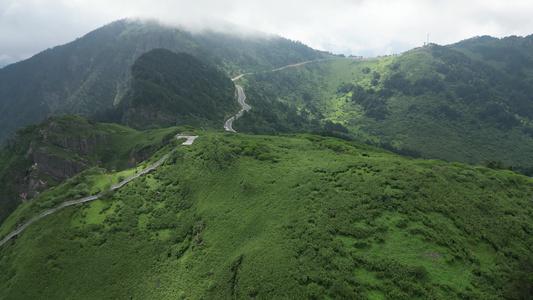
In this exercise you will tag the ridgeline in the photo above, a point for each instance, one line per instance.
(281, 217)
(309, 211)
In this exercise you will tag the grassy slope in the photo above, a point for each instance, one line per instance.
(283, 217)
(414, 122)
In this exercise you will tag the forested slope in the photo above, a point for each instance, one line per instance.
(92, 73)
(170, 89)
(432, 102)
(511, 54)
(237, 216)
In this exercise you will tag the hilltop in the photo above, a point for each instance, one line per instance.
(170, 89)
(280, 217)
(309, 211)
(431, 102)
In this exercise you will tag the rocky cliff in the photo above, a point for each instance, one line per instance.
(49, 155)
(44, 155)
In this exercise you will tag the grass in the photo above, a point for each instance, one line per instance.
(315, 218)
(94, 212)
(67, 144)
(415, 122)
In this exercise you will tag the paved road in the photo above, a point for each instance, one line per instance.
(189, 141)
(302, 63)
(245, 107)
(239, 76)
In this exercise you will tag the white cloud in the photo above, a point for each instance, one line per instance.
(361, 27)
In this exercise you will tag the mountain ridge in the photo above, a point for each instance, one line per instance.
(433, 102)
(170, 89)
(44, 155)
(291, 216)
(90, 74)
(285, 215)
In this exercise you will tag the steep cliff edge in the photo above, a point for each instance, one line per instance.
(44, 155)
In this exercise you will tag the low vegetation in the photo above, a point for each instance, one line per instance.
(46, 154)
(295, 205)
(280, 217)
(456, 103)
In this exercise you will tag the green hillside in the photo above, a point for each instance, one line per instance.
(432, 102)
(291, 217)
(46, 154)
(170, 89)
(89, 75)
(297, 205)
(510, 54)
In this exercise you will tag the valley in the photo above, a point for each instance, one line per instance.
(189, 141)
(241, 97)
(244, 107)
(403, 104)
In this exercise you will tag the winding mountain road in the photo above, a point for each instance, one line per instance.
(189, 141)
(244, 107)
(241, 97)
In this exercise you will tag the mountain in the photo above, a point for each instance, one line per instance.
(287, 216)
(44, 155)
(168, 89)
(239, 216)
(510, 54)
(91, 74)
(171, 89)
(455, 103)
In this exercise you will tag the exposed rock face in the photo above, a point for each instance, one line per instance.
(43, 155)
(48, 167)
(53, 166)
(79, 144)
(45, 165)
(58, 168)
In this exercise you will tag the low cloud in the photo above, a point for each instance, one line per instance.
(362, 27)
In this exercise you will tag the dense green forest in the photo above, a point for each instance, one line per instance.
(432, 102)
(510, 54)
(46, 154)
(300, 203)
(171, 89)
(91, 74)
(239, 216)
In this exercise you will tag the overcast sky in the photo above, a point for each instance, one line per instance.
(358, 27)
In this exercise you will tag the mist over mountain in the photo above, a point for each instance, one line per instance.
(92, 73)
(304, 201)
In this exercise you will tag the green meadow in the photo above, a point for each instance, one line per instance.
(284, 217)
